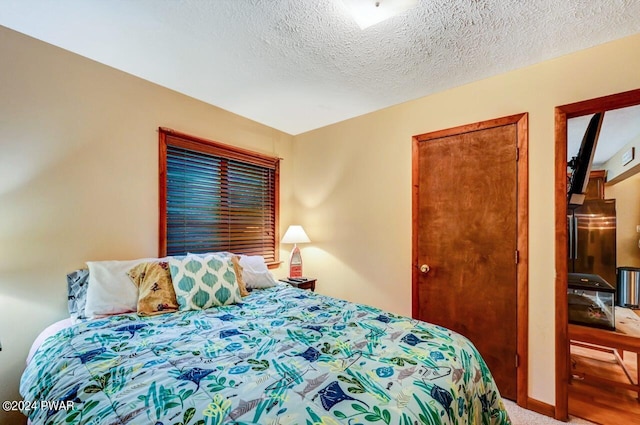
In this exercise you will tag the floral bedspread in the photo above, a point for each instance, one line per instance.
(283, 356)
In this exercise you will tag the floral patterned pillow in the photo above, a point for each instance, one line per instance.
(77, 283)
(237, 268)
(155, 289)
(204, 281)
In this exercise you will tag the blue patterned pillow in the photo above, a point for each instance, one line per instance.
(77, 283)
(204, 281)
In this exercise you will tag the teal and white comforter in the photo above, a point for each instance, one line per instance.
(283, 356)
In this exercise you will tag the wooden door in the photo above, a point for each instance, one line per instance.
(466, 233)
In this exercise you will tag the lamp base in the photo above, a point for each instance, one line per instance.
(295, 263)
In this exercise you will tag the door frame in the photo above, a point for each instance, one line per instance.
(522, 239)
(562, 114)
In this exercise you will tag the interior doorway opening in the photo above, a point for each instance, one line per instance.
(564, 331)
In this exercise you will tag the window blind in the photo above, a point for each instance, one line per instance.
(218, 202)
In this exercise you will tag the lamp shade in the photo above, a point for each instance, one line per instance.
(295, 234)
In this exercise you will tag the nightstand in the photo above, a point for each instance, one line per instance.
(309, 284)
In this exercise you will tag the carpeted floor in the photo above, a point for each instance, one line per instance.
(520, 416)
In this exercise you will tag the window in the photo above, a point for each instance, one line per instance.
(215, 197)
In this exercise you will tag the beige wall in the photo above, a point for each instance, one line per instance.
(78, 178)
(353, 184)
(78, 165)
(627, 196)
(616, 171)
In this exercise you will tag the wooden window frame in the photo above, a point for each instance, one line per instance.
(221, 150)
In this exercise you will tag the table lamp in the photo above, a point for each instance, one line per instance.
(295, 234)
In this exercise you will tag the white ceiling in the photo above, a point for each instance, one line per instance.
(297, 65)
(619, 127)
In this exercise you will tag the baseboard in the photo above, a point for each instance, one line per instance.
(541, 407)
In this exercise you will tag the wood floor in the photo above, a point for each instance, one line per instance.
(606, 405)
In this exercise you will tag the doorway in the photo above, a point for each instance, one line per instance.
(470, 224)
(562, 114)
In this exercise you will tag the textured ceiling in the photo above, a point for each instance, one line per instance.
(297, 65)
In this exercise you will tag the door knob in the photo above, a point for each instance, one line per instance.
(424, 268)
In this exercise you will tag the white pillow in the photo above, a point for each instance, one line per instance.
(254, 262)
(255, 272)
(110, 290)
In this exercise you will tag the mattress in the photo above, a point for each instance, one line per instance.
(282, 356)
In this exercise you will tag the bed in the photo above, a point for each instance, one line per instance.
(280, 356)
